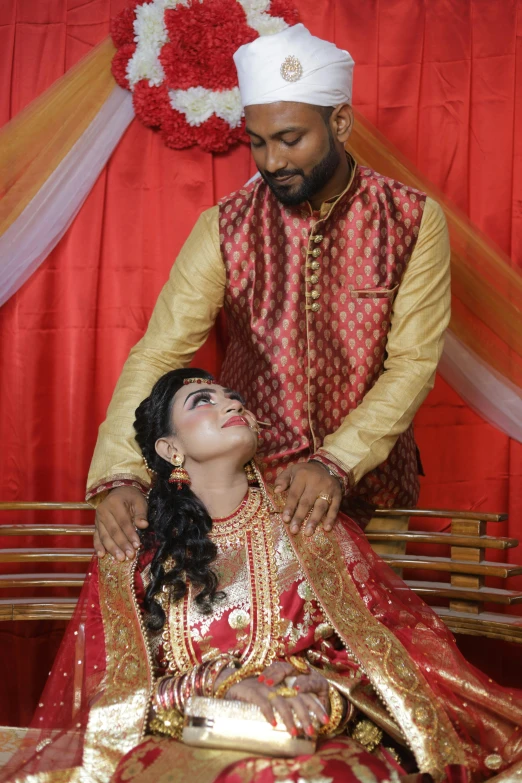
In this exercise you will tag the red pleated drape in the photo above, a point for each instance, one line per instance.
(442, 80)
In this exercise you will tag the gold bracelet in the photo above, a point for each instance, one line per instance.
(238, 676)
(337, 708)
(167, 723)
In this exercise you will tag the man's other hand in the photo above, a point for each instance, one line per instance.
(307, 481)
(117, 517)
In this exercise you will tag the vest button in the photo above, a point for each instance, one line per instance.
(318, 238)
(314, 279)
(315, 252)
(315, 265)
(315, 307)
(315, 294)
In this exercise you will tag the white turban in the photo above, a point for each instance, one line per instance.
(294, 65)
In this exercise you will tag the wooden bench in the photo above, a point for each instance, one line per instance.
(460, 602)
(468, 589)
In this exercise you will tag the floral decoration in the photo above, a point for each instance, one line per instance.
(175, 56)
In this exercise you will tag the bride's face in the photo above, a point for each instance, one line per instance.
(210, 421)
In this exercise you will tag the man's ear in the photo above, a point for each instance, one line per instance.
(166, 448)
(341, 121)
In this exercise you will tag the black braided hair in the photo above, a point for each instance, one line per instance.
(179, 523)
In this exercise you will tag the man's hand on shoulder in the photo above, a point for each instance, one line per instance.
(307, 483)
(117, 517)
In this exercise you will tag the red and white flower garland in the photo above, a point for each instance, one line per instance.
(176, 58)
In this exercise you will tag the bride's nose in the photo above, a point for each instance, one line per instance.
(234, 405)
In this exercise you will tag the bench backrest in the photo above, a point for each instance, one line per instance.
(460, 601)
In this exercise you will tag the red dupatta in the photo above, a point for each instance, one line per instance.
(94, 707)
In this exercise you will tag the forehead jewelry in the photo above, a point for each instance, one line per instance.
(206, 381)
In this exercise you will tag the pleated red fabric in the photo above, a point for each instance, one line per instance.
(443, 81)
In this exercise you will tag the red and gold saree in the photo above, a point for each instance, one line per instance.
(329, 598)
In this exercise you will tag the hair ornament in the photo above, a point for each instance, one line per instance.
(198, 380)
(149, 470)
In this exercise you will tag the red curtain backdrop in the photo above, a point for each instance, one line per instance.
(442, 79)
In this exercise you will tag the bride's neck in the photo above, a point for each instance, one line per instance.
(221, 488)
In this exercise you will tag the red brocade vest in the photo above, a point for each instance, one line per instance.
(308, 303)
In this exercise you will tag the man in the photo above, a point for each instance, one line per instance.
(335, 282)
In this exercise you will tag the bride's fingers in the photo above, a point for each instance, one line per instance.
(250, 694)
(276, 673)
(315, 708)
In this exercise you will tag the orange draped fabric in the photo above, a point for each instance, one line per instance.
(442, 80)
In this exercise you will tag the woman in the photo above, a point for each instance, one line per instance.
(316, 632)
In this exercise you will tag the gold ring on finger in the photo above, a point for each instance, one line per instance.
(285, 691)
(325, 496)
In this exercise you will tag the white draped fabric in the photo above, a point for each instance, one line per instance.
(44, 221)
(41, 225)
(490, 394)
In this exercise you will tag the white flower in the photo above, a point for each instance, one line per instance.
(143, 65)
(150, 35)
(198, 104)
(265, 24)
(259, 19)
(195, 103)
(254, 6)
(149, 26)
(227, 105)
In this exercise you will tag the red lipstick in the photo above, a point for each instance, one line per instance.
(236, 421)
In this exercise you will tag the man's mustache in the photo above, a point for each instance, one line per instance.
(282, 174)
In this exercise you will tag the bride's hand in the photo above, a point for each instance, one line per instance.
(303, 713)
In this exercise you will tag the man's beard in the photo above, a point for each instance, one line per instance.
(312, 184)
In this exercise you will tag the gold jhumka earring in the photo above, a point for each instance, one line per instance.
(179, 475)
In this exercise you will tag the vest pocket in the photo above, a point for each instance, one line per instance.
(374, 293)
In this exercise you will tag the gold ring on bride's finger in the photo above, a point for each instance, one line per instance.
(325, 496)
(284, 691)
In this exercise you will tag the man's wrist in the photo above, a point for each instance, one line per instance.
(333, 471)
(104, 487)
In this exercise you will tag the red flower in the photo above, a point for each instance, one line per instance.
(203, 37)
(121, 26)
(285, 9)
(216, 135)
(119, 64)
(175, 130)
(150, 103)
(240, 134)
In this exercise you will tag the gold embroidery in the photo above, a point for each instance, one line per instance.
(117, 721)
(177, 644)
(266, 623)
(249, 528)
(399, 683)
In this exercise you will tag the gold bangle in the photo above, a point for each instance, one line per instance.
(299, 664)
(238, 676)
(337, 707)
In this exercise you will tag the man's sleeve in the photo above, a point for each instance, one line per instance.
(419, 319)
(185, 311)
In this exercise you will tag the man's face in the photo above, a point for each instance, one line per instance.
(293, 148)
